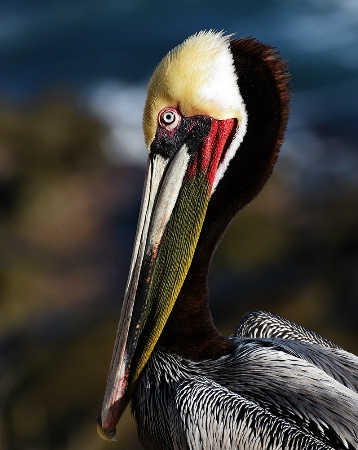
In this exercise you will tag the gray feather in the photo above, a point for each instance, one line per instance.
(255, 428)
(262, 324)
(269, 394)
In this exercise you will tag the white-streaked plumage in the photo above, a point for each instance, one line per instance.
(270, 394)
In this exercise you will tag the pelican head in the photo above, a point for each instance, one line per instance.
(213, 122)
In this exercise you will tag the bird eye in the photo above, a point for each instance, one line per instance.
(169, 118)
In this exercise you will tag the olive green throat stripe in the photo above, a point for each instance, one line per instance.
(172, 264)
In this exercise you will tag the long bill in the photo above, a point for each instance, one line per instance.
(176, 195)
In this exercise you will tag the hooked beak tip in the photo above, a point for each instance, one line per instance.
(107, 435)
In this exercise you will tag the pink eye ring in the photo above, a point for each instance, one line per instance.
(169, 118)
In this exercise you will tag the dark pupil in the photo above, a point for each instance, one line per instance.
(168, 118)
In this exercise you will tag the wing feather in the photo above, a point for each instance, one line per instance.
(269, 394)
(291, 388)
(214, 418)
(262, 324)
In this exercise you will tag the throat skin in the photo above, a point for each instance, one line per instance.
(190, 331)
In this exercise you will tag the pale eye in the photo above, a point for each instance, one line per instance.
(169, 118)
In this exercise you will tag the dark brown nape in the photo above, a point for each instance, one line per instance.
(263, 81)
(264, 86)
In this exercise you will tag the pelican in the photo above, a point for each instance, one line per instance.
(214, 120)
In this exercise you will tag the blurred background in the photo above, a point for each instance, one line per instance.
(73, 76)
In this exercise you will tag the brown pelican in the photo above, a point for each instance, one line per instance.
(213, 123)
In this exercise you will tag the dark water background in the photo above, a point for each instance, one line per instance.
(72, 88)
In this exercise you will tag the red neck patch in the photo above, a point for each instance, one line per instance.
(213, 149)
